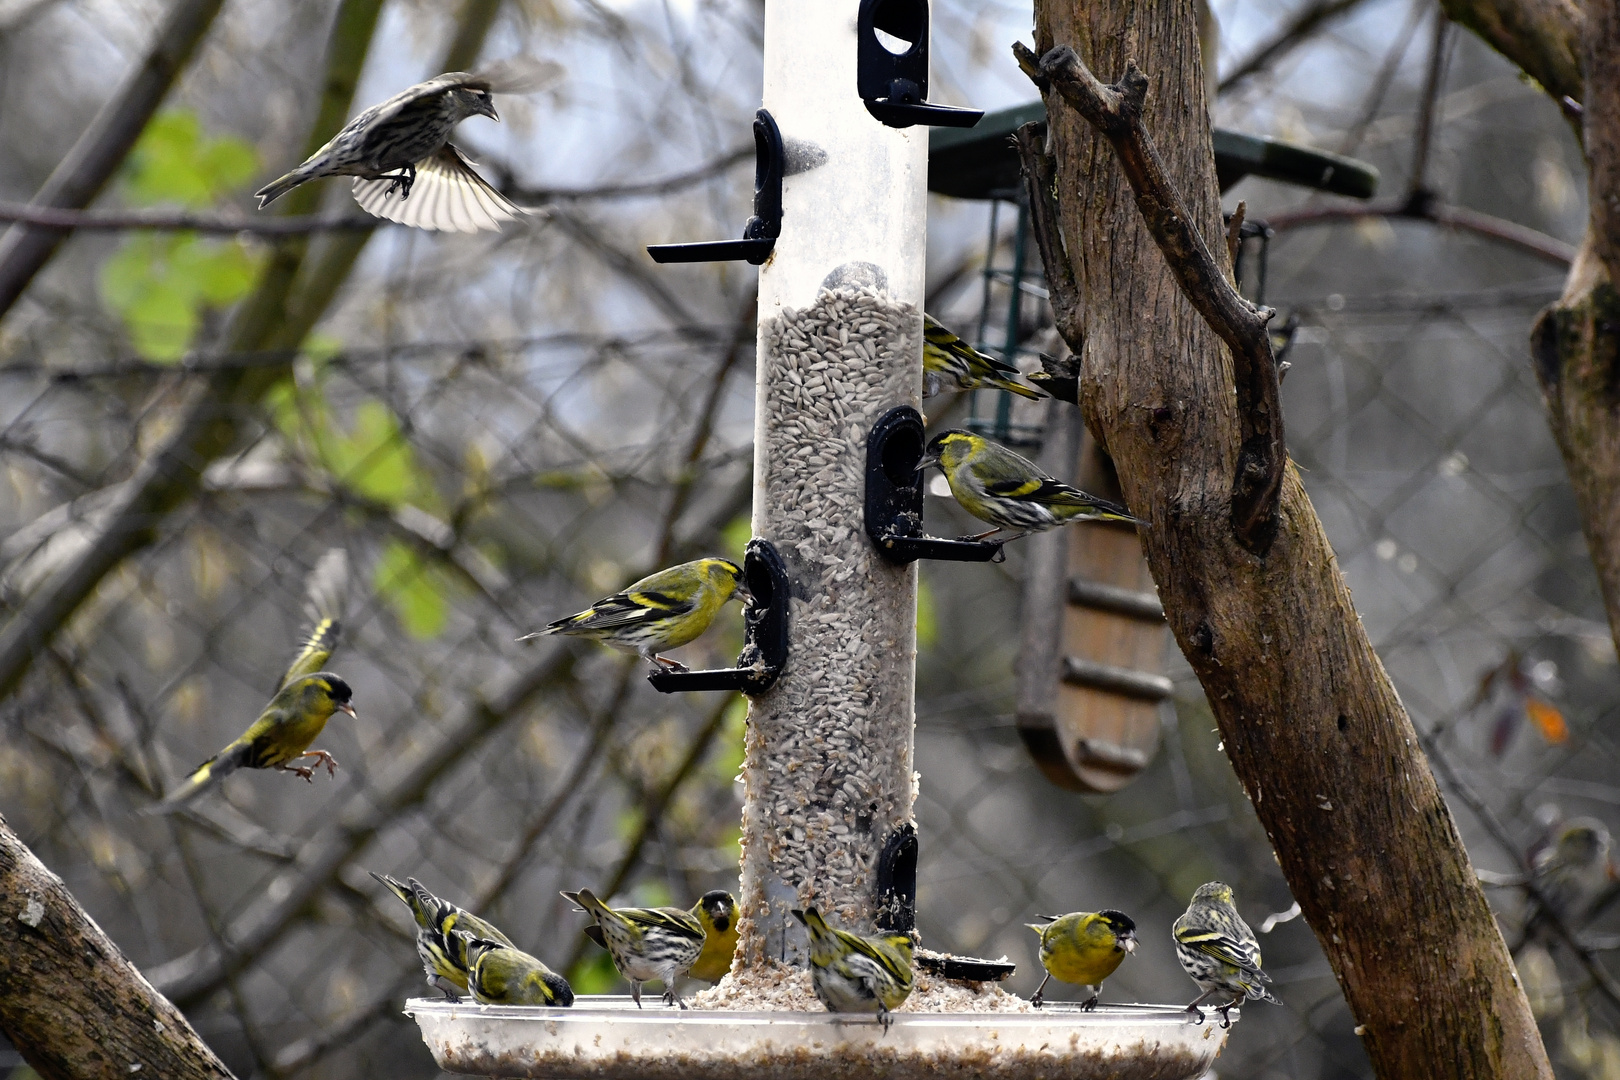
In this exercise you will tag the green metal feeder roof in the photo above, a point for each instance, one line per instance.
(981, 162)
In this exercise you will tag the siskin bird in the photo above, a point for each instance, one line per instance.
(438, 924)
(947, 359)
(305, 699)
(1217, 948)
(1083, 948)
(996, 485)
(717, 911)
(502, 975)
(851, 973)
(403, 142)
(645, 943)
(664, 611)
(1574, 872)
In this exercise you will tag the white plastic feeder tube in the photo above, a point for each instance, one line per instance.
(828, 768)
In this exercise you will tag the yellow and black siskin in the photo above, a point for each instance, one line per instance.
(645, 943)
(1219, 951)
(717, 912)
(1084, 948)
(503, 975)
(305, 699)
(663, 611)
(950, 361)
(1009, 491)
(851, 973)
(438, 922)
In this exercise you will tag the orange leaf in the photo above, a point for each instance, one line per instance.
(1548, 720)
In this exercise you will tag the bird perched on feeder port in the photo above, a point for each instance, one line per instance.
(404, 166)
(663, 611)
(305, 698)
(438, 922)
(1217, 948)
(1009, 491)
(502, 975)
(1084, 948)
(645, 943)
(855, 974)
(950, 361)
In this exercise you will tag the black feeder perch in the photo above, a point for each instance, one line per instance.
(897, 894)
(765, 632)
(894, 496)
(894, 85)
(759, 235)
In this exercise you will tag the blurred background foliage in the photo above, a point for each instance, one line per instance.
(500, 428)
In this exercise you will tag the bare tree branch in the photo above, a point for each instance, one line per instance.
(1426, 208)
(1544, 37)
(105, 143)
(1295, 32)
(69, 1000)
(1040, 185)
(176, 220)
(1116, 112)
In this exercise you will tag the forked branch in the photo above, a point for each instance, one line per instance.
(1116, 112)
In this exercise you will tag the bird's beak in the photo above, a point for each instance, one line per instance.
(1129, 942)
(489, 111)
(346, 707)
(928, 459)
(742, 594)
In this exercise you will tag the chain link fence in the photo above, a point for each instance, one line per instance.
(483, 483)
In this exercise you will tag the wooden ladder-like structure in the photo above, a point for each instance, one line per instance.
(1091, 663)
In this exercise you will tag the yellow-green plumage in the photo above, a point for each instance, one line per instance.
(306, 697)
(851, 973)
(1084, 948)
(442, 932)
(663, 611)
(950, 361)
(1009, 491)
(717, 912)
(503, 975)
(646, 944)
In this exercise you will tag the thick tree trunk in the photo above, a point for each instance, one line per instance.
(1576, 342)
(1310, 720)
(69, 1000)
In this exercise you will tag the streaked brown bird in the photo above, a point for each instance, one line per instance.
(404, 166)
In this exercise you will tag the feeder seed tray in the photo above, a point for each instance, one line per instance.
(604, 1037)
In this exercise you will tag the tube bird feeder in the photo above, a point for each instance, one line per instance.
(828, 767)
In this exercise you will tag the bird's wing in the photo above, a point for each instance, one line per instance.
(626, 609)
(327, 589)
(1224, 947)
(447, 196)
(673, 920)
(392, 107)
(517, 75)
(895, 959)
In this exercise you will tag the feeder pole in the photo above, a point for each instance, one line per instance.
(828, 766)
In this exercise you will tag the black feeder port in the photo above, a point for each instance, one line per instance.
(897, 912)
(759, 235)
(894, 496)
(765, 632)
(893, 84)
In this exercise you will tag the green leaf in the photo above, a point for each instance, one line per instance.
(414, 591)
(173, 162)
(159, 287)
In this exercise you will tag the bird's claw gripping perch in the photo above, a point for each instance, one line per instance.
(1196, 1015)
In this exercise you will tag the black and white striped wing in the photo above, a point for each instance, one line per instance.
(448, 196)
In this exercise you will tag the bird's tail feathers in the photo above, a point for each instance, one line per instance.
(203, 777)
(1021, 390)
(275, 189)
